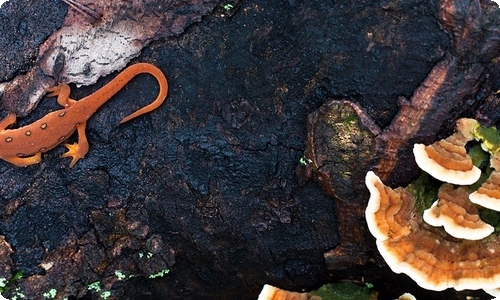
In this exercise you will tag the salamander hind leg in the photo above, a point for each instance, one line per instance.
(24, 161)
(80, 149)
(62, 91)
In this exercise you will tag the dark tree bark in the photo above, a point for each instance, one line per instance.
(205, 186)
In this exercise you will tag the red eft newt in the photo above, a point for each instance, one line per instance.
(23, 146)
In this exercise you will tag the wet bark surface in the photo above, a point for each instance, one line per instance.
(24, 26)
(206, 185)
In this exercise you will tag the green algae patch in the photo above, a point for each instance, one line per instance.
(345, 291)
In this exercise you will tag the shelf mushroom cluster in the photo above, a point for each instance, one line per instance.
(466, 255)
(447, 160)
(270, 292)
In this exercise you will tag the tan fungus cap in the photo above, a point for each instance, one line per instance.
(488, 194)
(270, 292)
(446, 162)
(457, 214)
(447, 159)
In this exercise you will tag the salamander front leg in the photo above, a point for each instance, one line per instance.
(7, 121)
(80, 149)
(24, 161)
(62, 91)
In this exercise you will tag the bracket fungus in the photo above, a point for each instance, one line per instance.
(345, 289)
(457, 214)
(270, 292)
(435, 260)
(488, 194)
(447, 160)
(465, 255)
(385, 209)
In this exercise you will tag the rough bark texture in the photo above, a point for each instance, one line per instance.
(205, 186)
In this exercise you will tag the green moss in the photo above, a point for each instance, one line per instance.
(425, 190)
(489, 138)
(480, 158)
(18, 275)
(491, 217)
(351, 119)
(5, 284)
(345, 291)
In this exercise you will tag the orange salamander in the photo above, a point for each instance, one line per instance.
(24, 146)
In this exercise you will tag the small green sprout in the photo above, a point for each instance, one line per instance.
(18, 294)
(51, 294)
(305, 161)
(105, 294)
(3, 282)
(159, 274)
(96, 286)
(228, 6)
(120, 275)
(148, 255)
